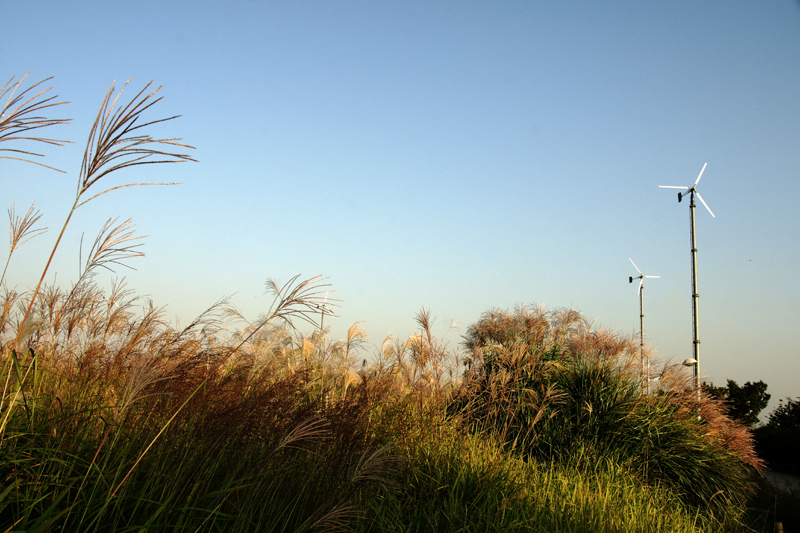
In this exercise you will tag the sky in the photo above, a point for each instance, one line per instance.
(457, 156)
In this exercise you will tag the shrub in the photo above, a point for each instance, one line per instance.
(574, 398)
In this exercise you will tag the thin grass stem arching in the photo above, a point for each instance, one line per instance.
(115, 143)
(19, 116)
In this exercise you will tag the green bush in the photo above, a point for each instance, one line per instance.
(575, 399)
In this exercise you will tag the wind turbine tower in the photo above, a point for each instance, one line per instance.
(692, 191)
(645, 368)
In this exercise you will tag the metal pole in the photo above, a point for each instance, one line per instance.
(695, 301)
(645, 374)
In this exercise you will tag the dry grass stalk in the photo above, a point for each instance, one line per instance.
(112, 246)
(9, 303)
(374, 466)
(112, 145)
(22, 231)
(115, 144)
(292, 300)
(18, 118)
(308, 432)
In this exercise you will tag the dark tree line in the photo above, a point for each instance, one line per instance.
(778, 439)
(744, 402)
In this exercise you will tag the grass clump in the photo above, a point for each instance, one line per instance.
(158, 434)
(556, 389)
(457, 481)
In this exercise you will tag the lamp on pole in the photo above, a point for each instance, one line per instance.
(692, 362)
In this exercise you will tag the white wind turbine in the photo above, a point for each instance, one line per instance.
(692, 191)
(640, 292)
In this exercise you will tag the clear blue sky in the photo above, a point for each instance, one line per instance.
(453, 155)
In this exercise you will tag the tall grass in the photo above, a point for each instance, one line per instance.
(460, 481)
(128, 424)
(150, 427)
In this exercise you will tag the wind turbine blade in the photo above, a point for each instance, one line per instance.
(652, 276)
(701, 175)
(673, 187)
(704, 203)
(634, 266)
(641, 282)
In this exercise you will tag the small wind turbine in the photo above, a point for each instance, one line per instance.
(640, 292)
(691, 191)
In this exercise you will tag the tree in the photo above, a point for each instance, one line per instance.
(744, 403)
(776, 441)
(787, 415)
